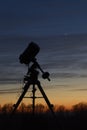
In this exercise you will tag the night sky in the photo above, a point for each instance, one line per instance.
(38, 18)
(60, 29)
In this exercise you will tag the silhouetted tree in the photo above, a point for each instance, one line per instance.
(22, 108)
(7, 108)
(80, 107)
(40, 108)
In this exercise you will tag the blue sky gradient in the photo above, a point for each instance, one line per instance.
(59, 27)
(38, 18)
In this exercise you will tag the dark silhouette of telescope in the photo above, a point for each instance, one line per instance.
(31, 78)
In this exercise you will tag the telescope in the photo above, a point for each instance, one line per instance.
(31, 78)
(29, 53)
(29, 56)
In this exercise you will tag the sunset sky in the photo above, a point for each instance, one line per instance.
(59, 27)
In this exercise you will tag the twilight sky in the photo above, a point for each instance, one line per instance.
(63, 56)
(47, 17)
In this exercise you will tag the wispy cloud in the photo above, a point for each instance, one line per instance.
(62, 56)
(81, 89)
(68, 75)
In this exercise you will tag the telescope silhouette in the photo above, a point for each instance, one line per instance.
(31, 78)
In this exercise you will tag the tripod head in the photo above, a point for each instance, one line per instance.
(29, 56)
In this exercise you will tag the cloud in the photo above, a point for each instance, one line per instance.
(80, 89)
(68, 75)
(62, 56)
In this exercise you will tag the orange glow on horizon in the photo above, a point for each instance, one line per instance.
(56, 96)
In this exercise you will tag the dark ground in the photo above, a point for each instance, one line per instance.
(61, 121)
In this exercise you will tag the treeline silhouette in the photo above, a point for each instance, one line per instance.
(40, 108)
(64, 119)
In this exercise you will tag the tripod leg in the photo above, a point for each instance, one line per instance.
(21, 97)
(45, 97)
(33, 105)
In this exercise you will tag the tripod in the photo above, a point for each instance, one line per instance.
(32, 79)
